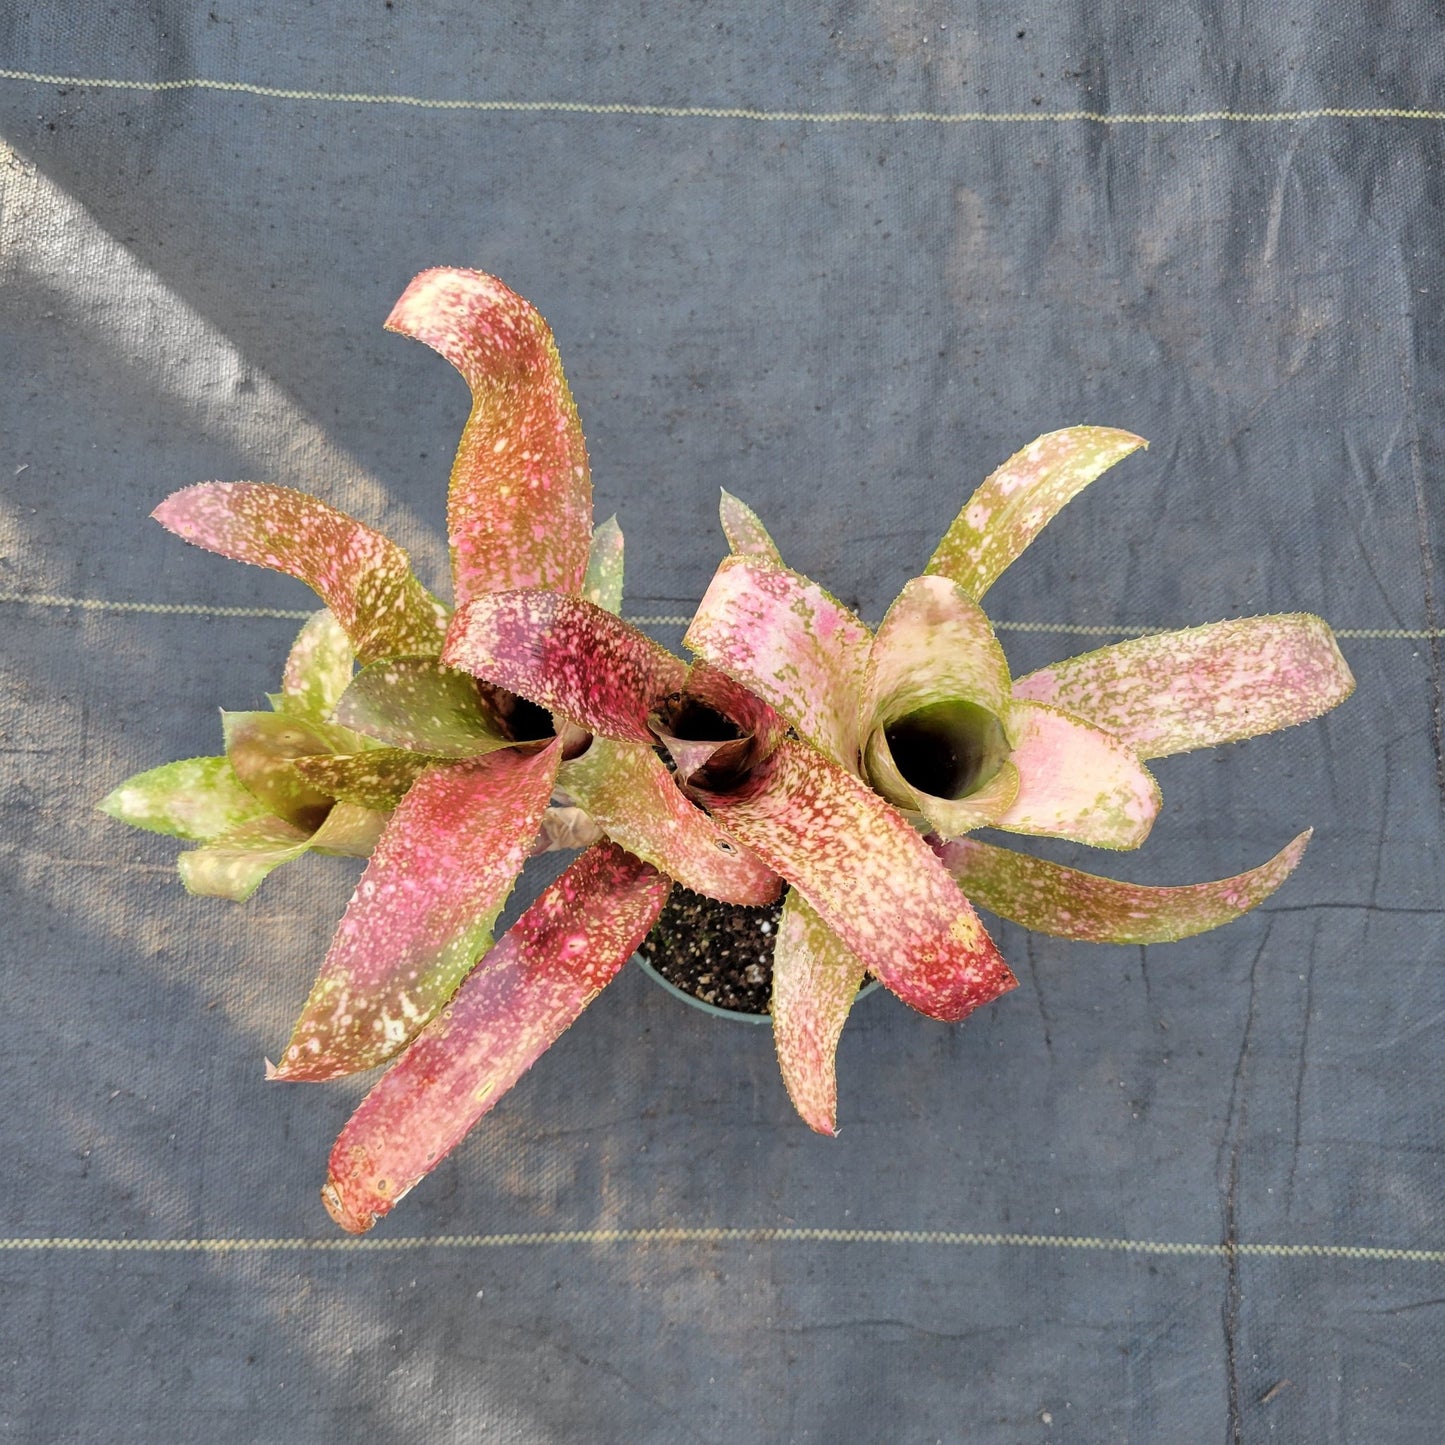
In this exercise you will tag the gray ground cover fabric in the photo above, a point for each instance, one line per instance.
(847, 320)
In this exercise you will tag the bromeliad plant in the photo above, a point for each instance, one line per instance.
(855, 764)
(800, 748)
(447, 784)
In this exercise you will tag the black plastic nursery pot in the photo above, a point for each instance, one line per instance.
(718, 957)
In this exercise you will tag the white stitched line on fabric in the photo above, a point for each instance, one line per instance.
(707, 112)
(1071, 629)
(1379, 1253)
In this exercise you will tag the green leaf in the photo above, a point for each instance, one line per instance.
(786, 639)
(362, 576)
(234, 864)
(198, 798)
(379, 778)
(551, 964)
(1018, 500)
(602, 585)
(423, 912)
(519, 512)
(1077, 781)
(815, 981)
(350, 831)
(745, 532)
(871, 878)
(1204, 686)
(318, 669)
(627, 790)
(263, 748)
(417, 703)
(1048, 898)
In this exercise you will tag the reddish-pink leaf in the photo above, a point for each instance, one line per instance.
(871, 878)
(423, 911)
(362, 576)
(1049, 898)
(553, 962)
(519, 513)
(815, 980)
(1203, 686)
(786, 639)
(626, 789)
(567, 655)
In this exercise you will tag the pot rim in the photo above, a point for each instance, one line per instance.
(717, 1010)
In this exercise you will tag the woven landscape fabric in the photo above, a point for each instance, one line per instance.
(842, 260)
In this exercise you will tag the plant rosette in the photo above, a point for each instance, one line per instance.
(856, 764)
(801, 751)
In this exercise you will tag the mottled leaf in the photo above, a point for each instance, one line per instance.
(197, 798)
(567, 655)
(871, 878)
(378, 778)
(602, 585)
(783, 637)
(263, 748)
(350, 831)
(628, 791)
(364, 578)
(1203, 686)
(815, 980)
(423, 911)
(565, 827)
(1048, 898)
(549, 966)
(934, 644)
(1077, 781)
(1017, 501)
(318, 669)
(519, 512)
(417, 703)
(745, 532)
(234, 864)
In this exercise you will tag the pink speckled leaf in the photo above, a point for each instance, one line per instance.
(602, 586)
(1048, 898)
(815, 980)
(567, 655)
(423, 911)
(364, 578)
(628, 791)
(871, 878)
(784, 638)
(1076, 781)
(416, 703)
(936, 650)
(549, 966)
(935, 643)
(198, 798)
(1203, 686)
(519, 513)
(1018, 500)
(744, 530)
(318, 669)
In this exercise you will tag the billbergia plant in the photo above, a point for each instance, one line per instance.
(799, 750)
